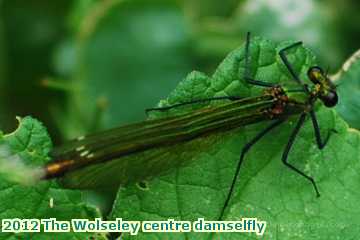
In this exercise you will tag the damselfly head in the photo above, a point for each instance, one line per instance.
(324, 88)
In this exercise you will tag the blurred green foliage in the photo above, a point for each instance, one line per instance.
(30, 33)
(348, 82)
(129, 54)
(84, 65)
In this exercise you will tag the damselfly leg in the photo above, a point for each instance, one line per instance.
(244, 150)
(285, 60)
(247, 74)
(320, 143)
(287, 149)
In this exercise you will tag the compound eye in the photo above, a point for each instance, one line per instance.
(315, 73)
(330, 99)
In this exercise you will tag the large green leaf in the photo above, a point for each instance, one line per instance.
(30, 143)
(265, 189)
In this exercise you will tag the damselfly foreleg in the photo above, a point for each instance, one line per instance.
(285, 60)
(247, 74)
(321, 143)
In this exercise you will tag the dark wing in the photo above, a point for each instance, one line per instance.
(140, 166)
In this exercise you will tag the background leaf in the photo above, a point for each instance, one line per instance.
(3, 67)
(149, 62)
(348, 82)
(30, 33)
(265, 188)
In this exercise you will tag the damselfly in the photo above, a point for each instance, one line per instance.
(82, 162)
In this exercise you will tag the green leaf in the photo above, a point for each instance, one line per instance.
(348, 81)
(31, 144)
(265, 188)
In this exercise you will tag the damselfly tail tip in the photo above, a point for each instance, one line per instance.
(56, 169)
